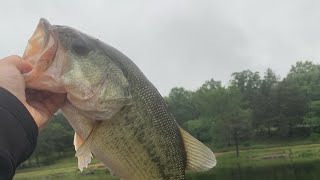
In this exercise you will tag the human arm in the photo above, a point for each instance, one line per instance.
(22, 113)
(18, 134)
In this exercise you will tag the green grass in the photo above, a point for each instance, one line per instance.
(264, 143)
(66, 169)
(258, 158)
(271, 156)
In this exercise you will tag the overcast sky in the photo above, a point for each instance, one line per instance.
(180, 42)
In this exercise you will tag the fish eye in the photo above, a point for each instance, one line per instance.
(80, 48)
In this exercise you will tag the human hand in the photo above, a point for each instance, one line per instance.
(41, 104)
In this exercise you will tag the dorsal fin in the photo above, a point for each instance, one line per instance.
(199, 156)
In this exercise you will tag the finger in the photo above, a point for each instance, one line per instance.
(46, 102)
(43, 108)
(13, 60)
(26, 67)
(54, 102)
(22, 65)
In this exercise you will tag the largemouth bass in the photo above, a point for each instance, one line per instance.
(116, 112)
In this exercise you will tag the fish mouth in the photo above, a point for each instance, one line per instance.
(41, 48)
(38, 41)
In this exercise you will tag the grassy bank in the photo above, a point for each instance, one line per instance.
(273, 161)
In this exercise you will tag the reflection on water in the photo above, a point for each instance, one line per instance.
(299, 171)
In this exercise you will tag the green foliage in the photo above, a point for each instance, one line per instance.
(315, 137)
(234, 121)
(207, 98)
(312, 118)
(181, 105)
(251, 106)
(265, 103)
(53, 142)
(248, 83)
(57, 136)
(306, 76)
(293, 105)
(200, 128)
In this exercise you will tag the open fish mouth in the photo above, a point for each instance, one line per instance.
(41, 48)
(38, 41)
(41, 52)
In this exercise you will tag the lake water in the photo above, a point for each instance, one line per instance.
(301, 171)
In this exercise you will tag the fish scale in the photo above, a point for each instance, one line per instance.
(150, 107)
(157, 162)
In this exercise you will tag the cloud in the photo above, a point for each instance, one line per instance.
(183, 42)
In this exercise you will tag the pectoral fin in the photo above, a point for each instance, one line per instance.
(83, 153)
(199, 156)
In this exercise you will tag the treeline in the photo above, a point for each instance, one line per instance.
(251, 105)
(54, 142)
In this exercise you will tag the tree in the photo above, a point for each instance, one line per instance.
(234, 122)
(248, 83)
(55, 140)
(265, 103)
(200, 128)
(312, 117)
(181, 106)
(307, 76)
(293, 105)
(206, 99)
(302, 84)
